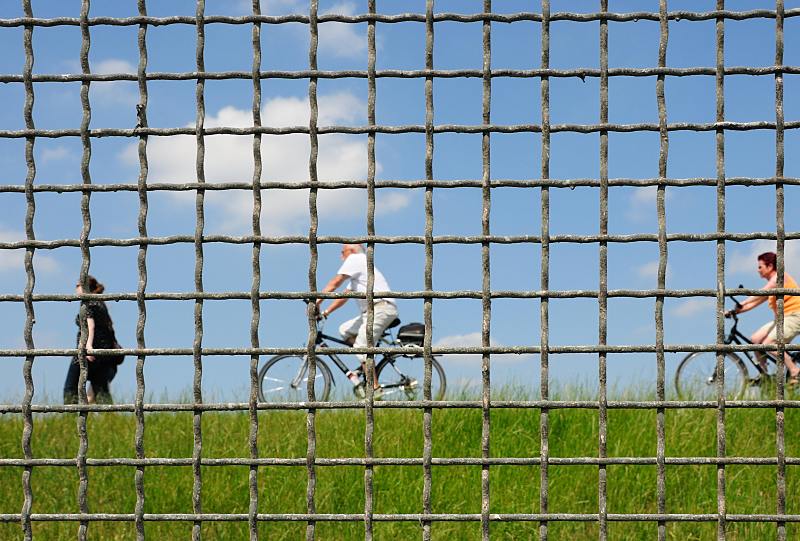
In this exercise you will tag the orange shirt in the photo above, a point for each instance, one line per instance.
(791, 303)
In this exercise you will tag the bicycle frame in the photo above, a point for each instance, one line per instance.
(394, 372)
(320, 341)
(735, 336)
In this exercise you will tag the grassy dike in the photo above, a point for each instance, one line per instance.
(398, 489)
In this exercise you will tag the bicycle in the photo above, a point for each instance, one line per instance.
(696, 376)
(284, 378)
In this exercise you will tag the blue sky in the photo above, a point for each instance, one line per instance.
(400, 212)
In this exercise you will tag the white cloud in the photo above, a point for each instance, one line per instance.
(14, 260)
(645, 195)
(642, 202)
(648, 270)
(55, 154)
(742, 261)
(342, 39)
(695, 306)
(230, 158)
(114, 92)
(472, 339)
(113, 65)
(386, 203)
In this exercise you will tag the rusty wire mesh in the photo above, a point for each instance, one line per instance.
(486, 294)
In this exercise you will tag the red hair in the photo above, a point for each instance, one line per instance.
(770, 259)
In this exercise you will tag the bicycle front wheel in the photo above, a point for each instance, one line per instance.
(285, 379)
(696, 377)
(402, 378)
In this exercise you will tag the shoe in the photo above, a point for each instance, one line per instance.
(377, 393)
(793, 381)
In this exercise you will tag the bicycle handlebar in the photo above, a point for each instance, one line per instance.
(733, 298)
(732, 313)
(312, 301)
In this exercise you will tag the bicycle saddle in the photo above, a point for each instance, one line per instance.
(394, 323)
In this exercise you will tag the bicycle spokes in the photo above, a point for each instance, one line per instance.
(287, 378)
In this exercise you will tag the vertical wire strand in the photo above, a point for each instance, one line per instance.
(30, 316)
(661, 484)
(602, 297)
(142, 265)
(780, 432)
(83, 447)
(255, 302)
(427, 414)
(369, 426)
(197, 384)
(720, 151)
(486, 301)
(311, 451)
(86, 143)
(544, 314)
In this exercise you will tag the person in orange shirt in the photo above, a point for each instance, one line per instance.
(768, 333)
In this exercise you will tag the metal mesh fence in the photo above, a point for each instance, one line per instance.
(258, 187)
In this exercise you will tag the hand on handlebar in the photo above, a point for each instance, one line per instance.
(733, 312)
(319, 315)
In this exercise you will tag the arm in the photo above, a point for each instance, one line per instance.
(751, 302)
(90, 337)
(334, 283)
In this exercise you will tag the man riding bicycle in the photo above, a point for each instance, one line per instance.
(354, 331)
(767, 334)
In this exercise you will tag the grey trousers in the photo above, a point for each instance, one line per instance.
(385, 313)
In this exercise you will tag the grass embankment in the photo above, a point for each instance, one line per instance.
(398, 489)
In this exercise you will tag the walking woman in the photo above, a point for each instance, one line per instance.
(101, 369)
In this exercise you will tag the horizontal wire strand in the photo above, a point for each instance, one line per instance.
(30, 244)
(407, 17)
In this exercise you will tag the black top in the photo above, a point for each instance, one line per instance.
(103, 327)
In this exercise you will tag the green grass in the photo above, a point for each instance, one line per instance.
(398, 489)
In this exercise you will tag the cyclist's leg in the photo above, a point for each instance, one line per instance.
(759, 337)
(791, 328)
(361, 342)
(349, 329)
(384, 314)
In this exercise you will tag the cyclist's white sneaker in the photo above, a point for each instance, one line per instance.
(359, 391)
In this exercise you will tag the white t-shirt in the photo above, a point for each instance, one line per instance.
(355, 267)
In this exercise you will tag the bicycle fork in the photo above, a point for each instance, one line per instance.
(302, 374)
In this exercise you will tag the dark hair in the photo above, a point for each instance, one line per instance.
(769, 259)
(94, 285)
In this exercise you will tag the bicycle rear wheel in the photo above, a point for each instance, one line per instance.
(285, 379)
(402, 378)
(696, 377)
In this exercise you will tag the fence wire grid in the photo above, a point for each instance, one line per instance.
(425, 518)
